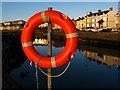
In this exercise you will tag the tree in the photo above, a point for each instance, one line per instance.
(100, 22)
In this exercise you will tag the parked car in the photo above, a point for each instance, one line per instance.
(94, 30)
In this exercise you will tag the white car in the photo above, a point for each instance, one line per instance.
(94, 30)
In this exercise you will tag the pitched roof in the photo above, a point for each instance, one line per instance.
(90, 14)
(118, 13)
(80, 18)
(14, 21)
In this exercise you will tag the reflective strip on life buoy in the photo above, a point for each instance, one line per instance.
(71, 39)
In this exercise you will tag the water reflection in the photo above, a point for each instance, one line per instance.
(40, 41)
(102, 55)
(88, 69)
(104, 59)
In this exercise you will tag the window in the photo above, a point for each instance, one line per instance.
(88, 20)
(93, 20)
(104, 18)
(97, 19)
(87, 25)
(93, 25)
(104, 24)
(97, 25)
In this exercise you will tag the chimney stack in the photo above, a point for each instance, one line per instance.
(111, 9)
(99, 11)
(90, 13)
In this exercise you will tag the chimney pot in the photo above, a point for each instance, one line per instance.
(111, 9)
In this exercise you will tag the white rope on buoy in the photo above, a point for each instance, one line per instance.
(36, 74)
(58, 74)
(55, 76)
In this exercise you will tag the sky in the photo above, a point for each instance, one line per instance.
(12, 11)
(59, 0)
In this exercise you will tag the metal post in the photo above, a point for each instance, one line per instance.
(86, 22)
(49, 37)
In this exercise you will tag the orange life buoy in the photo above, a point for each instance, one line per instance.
(71, 39)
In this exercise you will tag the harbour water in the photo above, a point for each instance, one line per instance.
(92, 67)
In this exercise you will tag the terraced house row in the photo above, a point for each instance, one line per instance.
(107, 19)
(12, 25)
(101, 19)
